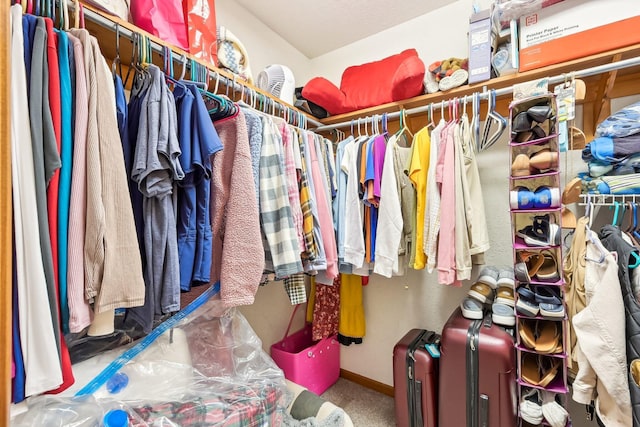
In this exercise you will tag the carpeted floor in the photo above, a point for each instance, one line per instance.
(366, 407)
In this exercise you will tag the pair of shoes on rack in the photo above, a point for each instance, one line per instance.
(541, 266)
(494, 286)
(542, 198)
(543, 336)
(542, 232)
(537, 122)
(544, 300)
(539, 369)
(539, 162)
(538, 405)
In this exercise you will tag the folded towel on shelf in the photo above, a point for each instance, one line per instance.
(611, 150)
(623, 184)
(622, 123)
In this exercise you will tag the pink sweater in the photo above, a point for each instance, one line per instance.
(238, 255)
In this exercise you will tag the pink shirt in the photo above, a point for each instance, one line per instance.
(324, 213)
(79, 310)
(445, 175)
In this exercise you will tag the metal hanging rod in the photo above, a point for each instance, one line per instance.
(179, 57)
(631, 62)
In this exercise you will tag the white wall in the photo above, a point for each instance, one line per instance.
(263, 45)
(436, 35)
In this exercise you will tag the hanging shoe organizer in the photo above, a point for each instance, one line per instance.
(541, 320)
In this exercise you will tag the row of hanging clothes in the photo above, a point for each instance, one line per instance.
(124, 199)
(409, 200)
(602, 273)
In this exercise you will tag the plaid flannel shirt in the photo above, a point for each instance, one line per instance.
(275, 210)
(240, 407)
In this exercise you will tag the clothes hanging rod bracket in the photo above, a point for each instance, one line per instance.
(607, 199)
(600, 69)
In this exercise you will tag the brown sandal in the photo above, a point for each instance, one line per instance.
(549, 337)
(538, 370)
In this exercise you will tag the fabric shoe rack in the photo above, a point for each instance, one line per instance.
(541, 320)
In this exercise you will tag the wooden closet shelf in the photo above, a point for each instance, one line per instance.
(107, 38)
(626, 83)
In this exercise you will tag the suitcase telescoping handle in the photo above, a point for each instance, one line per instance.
(414, 387)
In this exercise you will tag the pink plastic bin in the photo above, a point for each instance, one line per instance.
(311, 364)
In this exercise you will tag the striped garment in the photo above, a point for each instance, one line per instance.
(288, 136)
(275, 210)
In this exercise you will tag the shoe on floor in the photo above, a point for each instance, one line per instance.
(471, 308)
(503, 315)
(458, 78)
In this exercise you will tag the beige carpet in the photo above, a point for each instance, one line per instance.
(367, 408)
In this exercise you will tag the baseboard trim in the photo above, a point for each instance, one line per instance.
(367, 382)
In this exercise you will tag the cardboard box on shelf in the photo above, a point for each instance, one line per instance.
(480, 46)
(576, 28)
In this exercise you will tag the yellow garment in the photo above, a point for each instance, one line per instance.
(418, 171)
(352, 323)
(311, 302)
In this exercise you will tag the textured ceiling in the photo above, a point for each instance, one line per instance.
(315, 27)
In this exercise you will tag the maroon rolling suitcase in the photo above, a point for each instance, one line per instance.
(477, 386)
(415, 379)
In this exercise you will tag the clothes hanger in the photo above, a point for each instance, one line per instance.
(475, 120)
(492, 117)
(431, 123)
(116, 65)
(635, 232)
(61, 12)
(385, 129)
(629, 227)
(404, 130)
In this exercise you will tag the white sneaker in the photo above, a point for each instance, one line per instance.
(530, 408)
(457, 78)
(430, 83)
(552, 411)
(503, 315)
(471, 308)
(489, 275)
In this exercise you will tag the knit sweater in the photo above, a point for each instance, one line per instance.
(113, 267)
(238, 255)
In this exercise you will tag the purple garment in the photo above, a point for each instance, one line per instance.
(379, 149)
